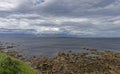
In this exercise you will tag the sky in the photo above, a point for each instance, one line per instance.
(78, 18)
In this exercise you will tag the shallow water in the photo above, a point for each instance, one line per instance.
(51, 46)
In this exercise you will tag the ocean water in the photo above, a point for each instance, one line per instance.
(50, 46)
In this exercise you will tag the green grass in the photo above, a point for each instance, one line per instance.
(10, 65)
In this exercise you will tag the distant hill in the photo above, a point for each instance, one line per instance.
(19, 35)
(15, 35)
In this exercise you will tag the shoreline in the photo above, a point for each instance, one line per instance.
(92, 62)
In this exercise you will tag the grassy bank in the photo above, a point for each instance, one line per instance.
(10, 65)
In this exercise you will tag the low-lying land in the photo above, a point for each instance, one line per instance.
(90, 62)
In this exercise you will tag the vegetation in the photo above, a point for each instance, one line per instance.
(10, 65)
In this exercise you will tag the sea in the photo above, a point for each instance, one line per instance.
(50, 46)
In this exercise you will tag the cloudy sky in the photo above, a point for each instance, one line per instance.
(80, 18)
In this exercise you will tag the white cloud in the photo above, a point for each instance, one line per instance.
(9, 4)
(55, 25)
(72, 17)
